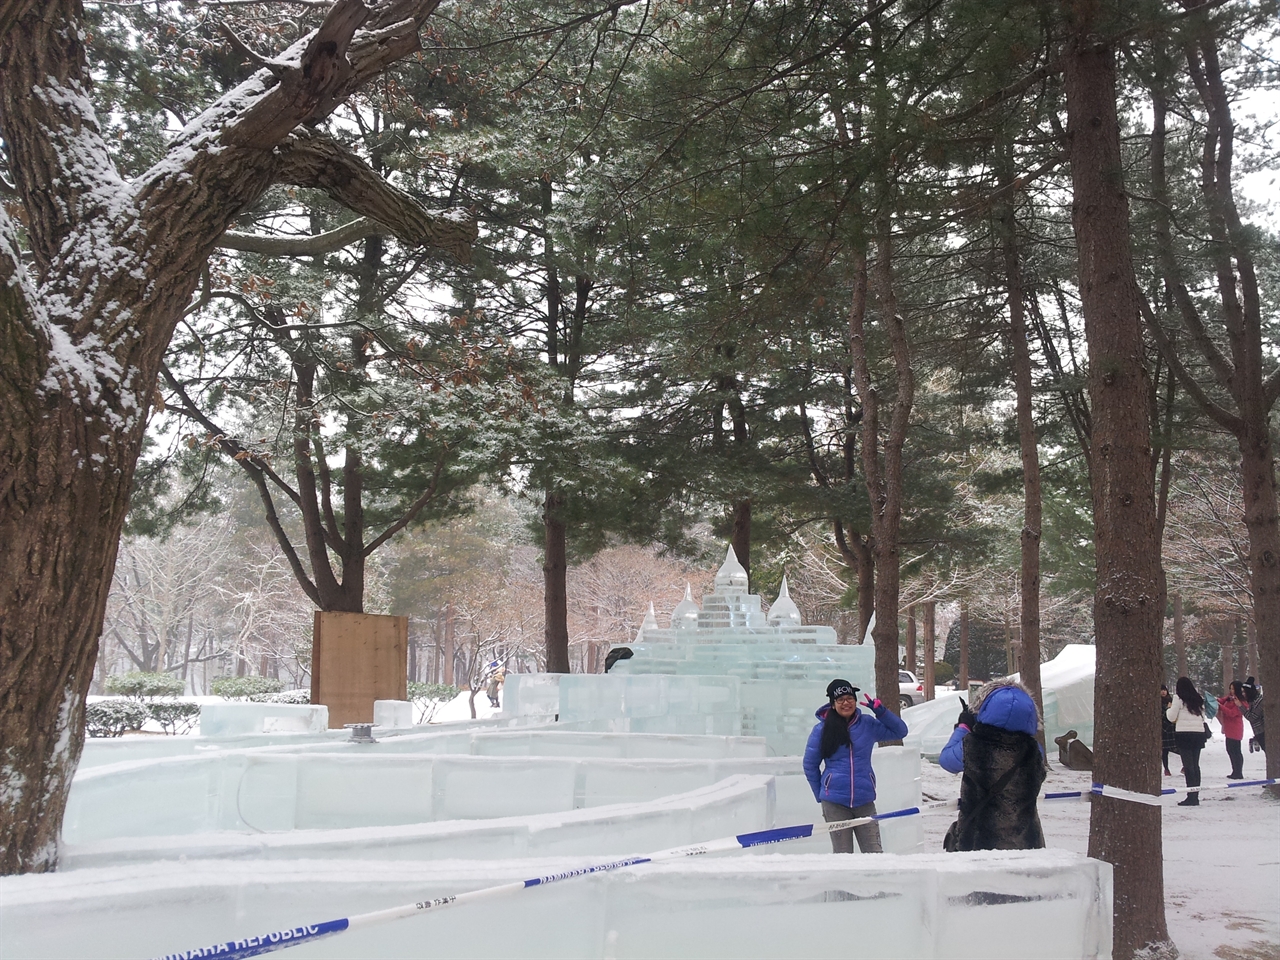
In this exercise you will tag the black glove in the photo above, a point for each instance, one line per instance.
(967, 716)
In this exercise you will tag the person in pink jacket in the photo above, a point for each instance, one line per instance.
(1231, 717)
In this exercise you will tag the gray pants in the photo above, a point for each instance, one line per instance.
(842, 840)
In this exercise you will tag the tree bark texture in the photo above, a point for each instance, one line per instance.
(883, 471)
(84, 327)
(1126, 611)
(740, 516)
(909, 645)
(555, 566)
(962, 681)
(930, 646)
(1179, 640)
(1029, 539)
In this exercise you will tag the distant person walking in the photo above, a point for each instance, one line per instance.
(492, 688)
(1231, 718)
(994, 744)
(837, 762)
(1168, 744)
(1187, 715)
(1253, 713)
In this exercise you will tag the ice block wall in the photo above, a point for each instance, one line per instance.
(740, 803)
(275, 791)
(781, 711)
(1026, 904)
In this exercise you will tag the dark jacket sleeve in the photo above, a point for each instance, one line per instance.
(952, 757)
(812, 761)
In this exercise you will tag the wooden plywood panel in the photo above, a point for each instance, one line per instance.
(357, 658)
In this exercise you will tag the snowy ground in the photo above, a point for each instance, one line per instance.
(1221, 859)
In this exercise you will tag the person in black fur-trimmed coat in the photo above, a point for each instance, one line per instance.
(994, 744)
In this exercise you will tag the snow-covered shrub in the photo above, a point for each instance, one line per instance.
(427, 697)
(245, 688)
(142, 686)
(111, 718)
(284, 696)
(174, 716)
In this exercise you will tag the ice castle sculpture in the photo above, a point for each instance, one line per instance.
(731, 615)
(775, 666)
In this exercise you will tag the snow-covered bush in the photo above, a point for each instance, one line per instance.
(427, 697)
(174, 716)
(111, 718)
(245, 688)
(142, 686)
(283, 696)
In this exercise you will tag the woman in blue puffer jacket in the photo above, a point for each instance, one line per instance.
(837, 762)
(994, 744)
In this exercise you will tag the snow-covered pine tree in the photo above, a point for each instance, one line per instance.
(95, 271)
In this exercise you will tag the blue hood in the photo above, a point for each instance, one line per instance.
(1010, 709)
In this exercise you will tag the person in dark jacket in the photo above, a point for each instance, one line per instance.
(1168, 744)
(1190, 731)
(1254, 713)
(994, 744)
(837, 762)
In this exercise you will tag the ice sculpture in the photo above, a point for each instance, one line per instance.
(782, 665)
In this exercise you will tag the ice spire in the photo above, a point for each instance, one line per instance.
(650, 622)
(685, 614)
(784, 610)
(732, 574)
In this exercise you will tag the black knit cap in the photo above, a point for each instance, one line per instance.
(840, 688)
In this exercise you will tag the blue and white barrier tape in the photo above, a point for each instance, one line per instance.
(280, 939)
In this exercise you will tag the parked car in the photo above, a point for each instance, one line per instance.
(910, 690)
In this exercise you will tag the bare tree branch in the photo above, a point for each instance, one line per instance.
(311, 160)
(312, 245)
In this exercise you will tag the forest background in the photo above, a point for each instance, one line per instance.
(684, 317)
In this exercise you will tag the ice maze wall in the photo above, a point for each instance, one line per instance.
(266, 821)
(979, 905)
(171, 852)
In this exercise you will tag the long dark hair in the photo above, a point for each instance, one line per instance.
(1187, 694)
(835, 732)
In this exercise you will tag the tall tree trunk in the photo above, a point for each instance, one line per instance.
(930, 645)
(1179, 639)
(741, 536)
(1260, 518)
(909, 651)
(963, 678)
(883, 476)
(1029, 539)
(855, 550)
(554, 584)
(1126, 615)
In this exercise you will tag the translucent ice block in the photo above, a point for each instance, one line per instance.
(736, 804)
(1024, 904)
(392, 714)
(233, 719)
